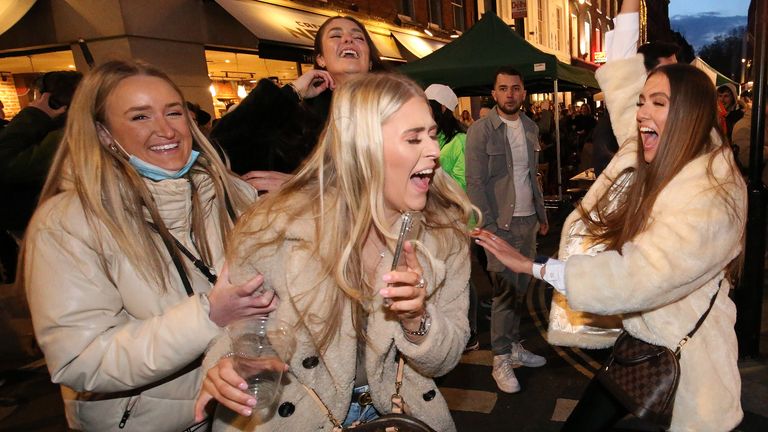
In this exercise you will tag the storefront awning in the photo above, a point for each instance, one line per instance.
(11, 12)
(418, 46)
(285, 32)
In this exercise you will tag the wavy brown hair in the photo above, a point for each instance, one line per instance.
(691, 131)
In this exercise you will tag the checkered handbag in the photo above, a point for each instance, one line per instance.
(644, 377)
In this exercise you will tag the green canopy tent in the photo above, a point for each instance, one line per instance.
(468, 63)
(720, 79)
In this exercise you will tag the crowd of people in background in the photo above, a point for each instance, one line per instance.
(143, 228)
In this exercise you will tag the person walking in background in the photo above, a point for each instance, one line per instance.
(135, 194)
(27, 145)
(325, 243)
(728, 95)
(742, 132)
(466, 118)
(501, 153)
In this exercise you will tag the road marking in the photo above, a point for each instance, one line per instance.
(563, 409)
(469, 400)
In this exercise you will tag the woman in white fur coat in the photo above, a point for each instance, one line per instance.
(668, 215)
(324, 244)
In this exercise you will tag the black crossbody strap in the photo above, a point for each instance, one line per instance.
(204, 269)
(701, 319)
(176, 262)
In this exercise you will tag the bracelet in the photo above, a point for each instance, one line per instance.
(296, 91)
(424, 325)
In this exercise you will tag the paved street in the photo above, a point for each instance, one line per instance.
(28, 402)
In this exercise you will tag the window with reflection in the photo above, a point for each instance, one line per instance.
(435, 12)
(458, 14)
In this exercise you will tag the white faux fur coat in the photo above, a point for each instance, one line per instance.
(294, 273)
(663, 280)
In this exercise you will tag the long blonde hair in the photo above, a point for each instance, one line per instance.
(341, 188)
(688, 134)
(113, 195)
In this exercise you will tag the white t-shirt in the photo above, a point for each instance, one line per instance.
(520, 168)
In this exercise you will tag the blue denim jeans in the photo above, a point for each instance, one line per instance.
(357, 412)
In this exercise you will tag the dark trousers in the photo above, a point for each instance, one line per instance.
(597, 410)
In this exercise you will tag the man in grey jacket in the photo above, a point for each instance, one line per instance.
(501, 160)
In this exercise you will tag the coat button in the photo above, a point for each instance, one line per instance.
(428, 396)
(310, 362)
(286, 409)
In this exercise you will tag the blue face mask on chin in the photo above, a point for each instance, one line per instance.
(156, 173)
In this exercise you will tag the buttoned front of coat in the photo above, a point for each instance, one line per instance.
(292, 269)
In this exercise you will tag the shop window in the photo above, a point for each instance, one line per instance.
(458, 14)
(586, 41)
(19, 74)
(234, 75)
(574, 35)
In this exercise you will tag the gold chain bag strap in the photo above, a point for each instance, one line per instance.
(396, 421)
(644, 377)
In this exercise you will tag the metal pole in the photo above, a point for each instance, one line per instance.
(749, 296)
(557, 145)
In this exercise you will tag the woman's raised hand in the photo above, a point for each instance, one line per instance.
(233, 302)
(407, 290)
(313, 82)
(505, 253)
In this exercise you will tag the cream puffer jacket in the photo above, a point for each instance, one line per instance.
(113, 341)
(663, 280)
(293, 272)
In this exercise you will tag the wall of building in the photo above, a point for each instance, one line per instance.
(173, 34)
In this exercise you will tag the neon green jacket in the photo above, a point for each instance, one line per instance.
(452, 157)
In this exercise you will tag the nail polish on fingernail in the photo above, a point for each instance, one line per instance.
(384, 292)
(251, 402)
(386, 278)
(247, 412)
(242, 386)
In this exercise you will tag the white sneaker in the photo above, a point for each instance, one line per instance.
(523, 357)
(504, 375)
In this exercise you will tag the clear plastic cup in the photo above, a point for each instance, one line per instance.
(261, 346)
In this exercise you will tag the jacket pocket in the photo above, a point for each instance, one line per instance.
(497, 161)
